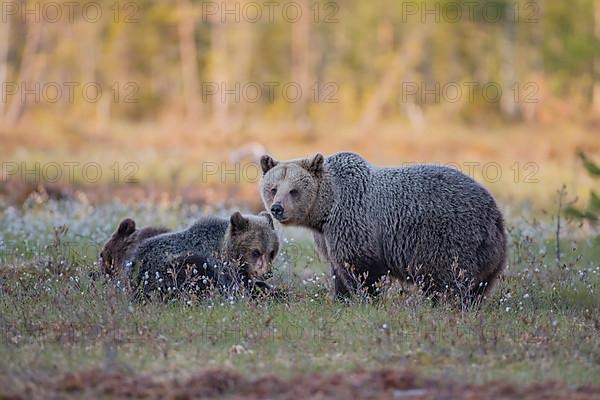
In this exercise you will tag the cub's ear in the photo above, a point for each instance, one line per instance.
(268, 217)
(238, 221)
(126, 227)
(315, 165)
(267, 163)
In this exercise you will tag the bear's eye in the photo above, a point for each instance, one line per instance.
(272, 254)
(294, 192)
(255, 253)
(273, 191)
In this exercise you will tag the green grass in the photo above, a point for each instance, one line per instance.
(541, 323)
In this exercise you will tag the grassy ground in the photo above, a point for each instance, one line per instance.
(540, 324)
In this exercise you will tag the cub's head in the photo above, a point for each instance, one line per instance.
(114, 251)
(252, 241)
(122, 243)
(289, 189)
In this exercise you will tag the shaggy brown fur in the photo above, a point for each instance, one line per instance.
(122, 245)
(227, 251)
(426, 224)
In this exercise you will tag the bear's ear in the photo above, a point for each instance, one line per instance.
(315, 165)
(268, 217)
(267, 163)
(238, 221)
(126, 227)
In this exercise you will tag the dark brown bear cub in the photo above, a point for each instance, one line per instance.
(122, 245)
(229, 253)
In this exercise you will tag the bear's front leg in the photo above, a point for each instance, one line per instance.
(363, 281)
(344, 283)
(321, 246)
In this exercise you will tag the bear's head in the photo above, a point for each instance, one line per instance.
(114, 250)
(252, 242)
(290, 189)
(121, 245)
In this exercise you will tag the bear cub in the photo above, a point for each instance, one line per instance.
(122, 245)
(226, 253)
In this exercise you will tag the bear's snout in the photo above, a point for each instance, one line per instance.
(277, 211)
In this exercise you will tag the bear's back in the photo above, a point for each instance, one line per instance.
(418, 190)
(409, 215)
(444, 189)
(148, 232)
(205, 236)
(155, 255)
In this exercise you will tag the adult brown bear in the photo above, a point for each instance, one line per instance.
(427, 224)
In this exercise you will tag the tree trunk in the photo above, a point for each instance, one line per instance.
(596, 94)
(188, 55)
(301, 68)
(406, 56)
(4, 36)
(242, 42)
(219, 71)
(530, 110)
(508, 105)
(30, 66)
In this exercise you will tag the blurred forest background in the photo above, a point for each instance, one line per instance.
(168, 85)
